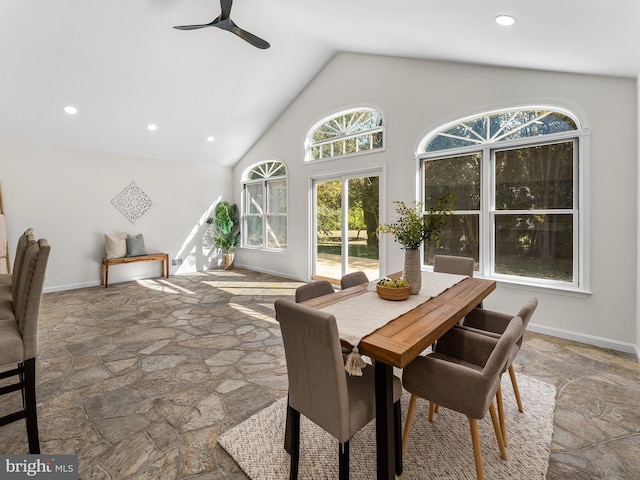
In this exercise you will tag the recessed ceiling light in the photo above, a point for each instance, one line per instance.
(152, 126)
(505, 20)
(70, 110)
(210, 138)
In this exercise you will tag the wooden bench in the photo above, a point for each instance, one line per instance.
(107, 262)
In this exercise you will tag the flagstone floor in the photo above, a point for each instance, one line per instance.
(140, 379)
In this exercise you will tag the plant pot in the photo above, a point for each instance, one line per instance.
(227, 261)
(412, 270)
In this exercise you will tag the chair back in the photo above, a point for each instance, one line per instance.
(26, 238)
(453, 264)
(352, 279)
(313, 290)
(525, 313)
(317, 379)
(27, 303)
(497, 361)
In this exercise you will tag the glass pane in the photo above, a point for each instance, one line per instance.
(315, 152)
(539, 177)
(364, 142)
(326, 151)
(536, 246)
(253, 229)
(377, 140)
(338, 147)
(350, 145)
(277, 196)
(277, 232)
(362, 240)
(453, 174)
(329, 229)
(460, 238)
(255, 198)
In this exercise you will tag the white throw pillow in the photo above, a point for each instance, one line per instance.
(116, 247)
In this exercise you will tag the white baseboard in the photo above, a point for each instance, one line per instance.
(72, 286)
(269, 272)
(588, 339)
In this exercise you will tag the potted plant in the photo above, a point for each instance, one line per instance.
(413, 229)
(225, 231)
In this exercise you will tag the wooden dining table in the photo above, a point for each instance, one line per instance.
(400, 341)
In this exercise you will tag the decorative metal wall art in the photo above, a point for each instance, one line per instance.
(132, 202)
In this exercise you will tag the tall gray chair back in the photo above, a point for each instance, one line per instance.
(19, 338)
(463, 375)
(313, 289)
(352, 279)
(319, 387)
(453, 264)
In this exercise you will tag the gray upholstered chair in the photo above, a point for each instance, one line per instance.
(352, 279)
(494, 324)
(453, 264)
(313, 289)
(19, 339)
(319, 387)
(463, 374)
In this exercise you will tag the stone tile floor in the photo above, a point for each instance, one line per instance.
(140, 379)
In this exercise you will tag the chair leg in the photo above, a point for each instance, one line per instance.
(503, 426)
(433, 408)
(287, 430)
(477, 453)
(343, 451)
(294, 418)
(514, 382)
(407, 422)
(397, 414)
(496, 428)
(30, 405)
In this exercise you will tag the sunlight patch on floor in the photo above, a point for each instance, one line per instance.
(250, 312)
(255, 288)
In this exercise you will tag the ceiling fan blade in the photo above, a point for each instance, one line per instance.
(225, 6)
(192, 27)
(251, 38)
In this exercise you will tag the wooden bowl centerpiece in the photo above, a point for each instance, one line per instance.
(396, 289)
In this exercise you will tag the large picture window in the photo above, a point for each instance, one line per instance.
(265, 206)
(515, 174)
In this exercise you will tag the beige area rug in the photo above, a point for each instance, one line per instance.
(438, 450)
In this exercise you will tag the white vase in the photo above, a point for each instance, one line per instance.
(412, 271)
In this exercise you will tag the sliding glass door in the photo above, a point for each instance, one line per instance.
(346, 218)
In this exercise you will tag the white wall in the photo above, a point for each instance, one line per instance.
(65, 195)
(417, 96)
(638, 239)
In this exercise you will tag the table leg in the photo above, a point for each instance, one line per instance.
(385, 440)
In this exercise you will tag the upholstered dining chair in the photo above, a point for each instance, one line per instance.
(494, 324)
(453, 264)
(352, 279)
(463, 374)
(312, 290)
(319, 387)
(19, 339)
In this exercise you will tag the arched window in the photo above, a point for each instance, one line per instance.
(350, 132)
(264, 206)
(515, 174)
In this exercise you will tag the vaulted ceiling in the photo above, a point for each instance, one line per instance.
(123, 66)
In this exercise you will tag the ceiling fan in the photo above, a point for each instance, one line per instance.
(225, 23)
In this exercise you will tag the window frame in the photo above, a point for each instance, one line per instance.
(265, 214)
(309, 144)
(486, 227)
